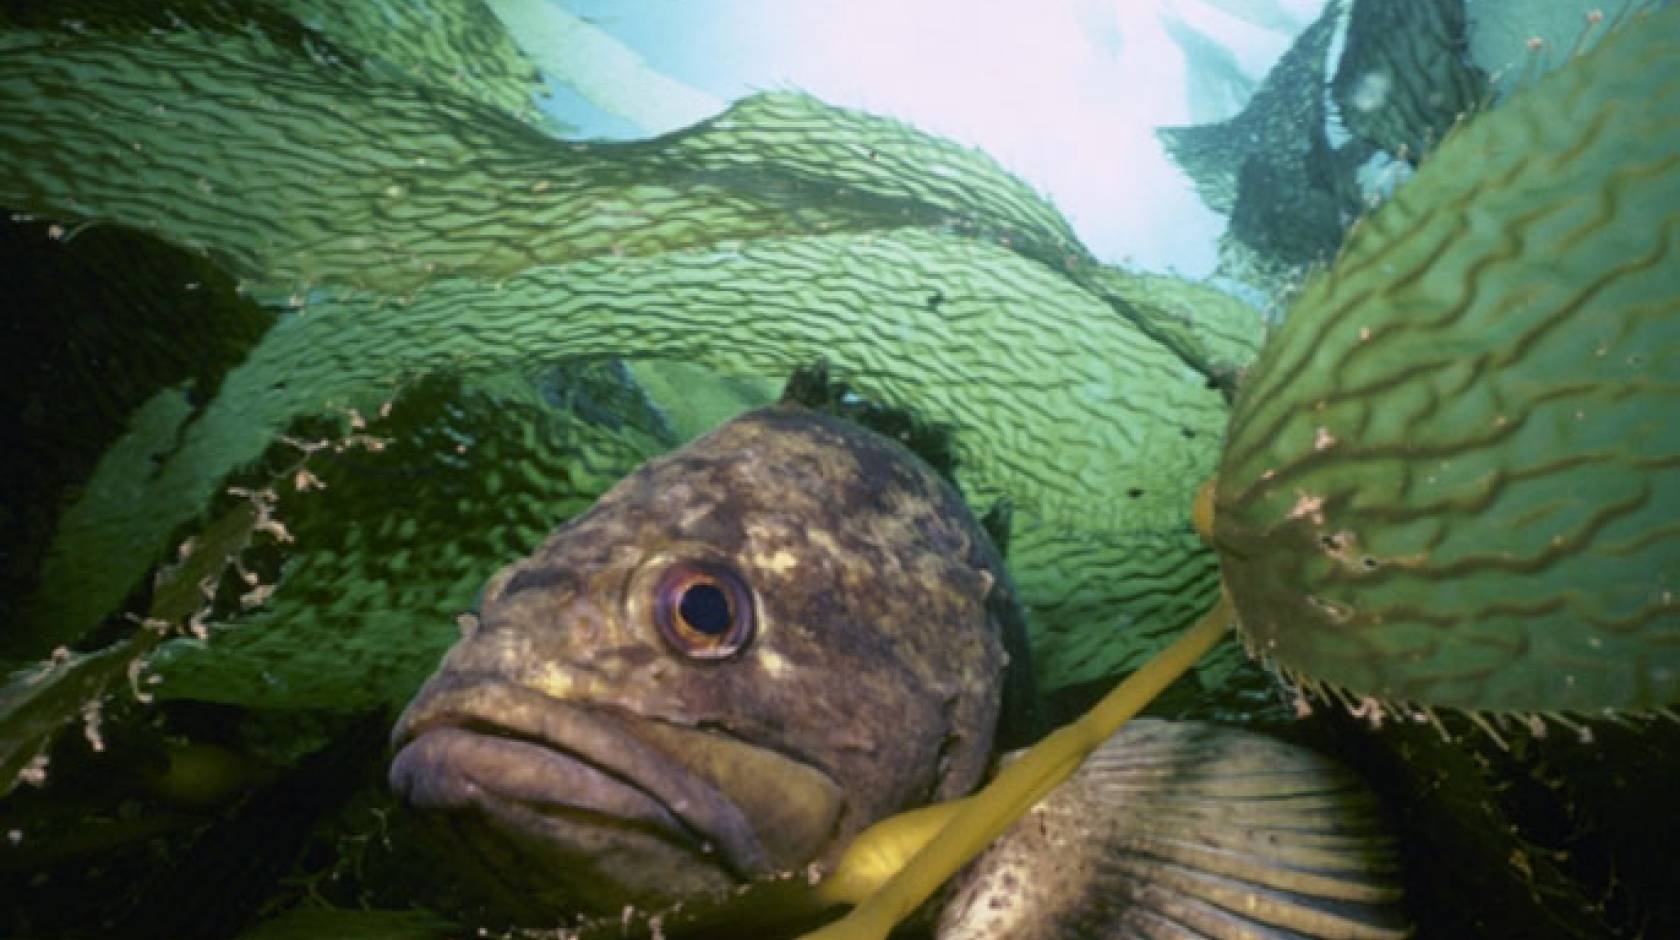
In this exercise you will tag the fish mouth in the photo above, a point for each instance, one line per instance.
(536, 764)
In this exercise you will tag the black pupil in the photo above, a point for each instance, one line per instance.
(706, 609)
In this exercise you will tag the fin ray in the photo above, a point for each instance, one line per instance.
(1190, 831)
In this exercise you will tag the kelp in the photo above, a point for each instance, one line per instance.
(747, 270)
(389, 543)
(1449, 480)
(97, 323)
(459, 45)
(1514, 41)
(1453, 477)
(308, 923)
(604, 71)
(40, 702)
(411, 231)
(1404, 78)
(1273, 170)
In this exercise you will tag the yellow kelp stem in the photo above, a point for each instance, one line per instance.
(985, 815)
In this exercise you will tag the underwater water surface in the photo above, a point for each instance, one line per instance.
(319, 316)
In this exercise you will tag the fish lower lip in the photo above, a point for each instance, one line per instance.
(498, 747)
(459, 767)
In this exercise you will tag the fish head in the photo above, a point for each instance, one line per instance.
(745, 653)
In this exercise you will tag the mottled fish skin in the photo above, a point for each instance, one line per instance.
(1189, 831)
(585, 756)
(588, 762)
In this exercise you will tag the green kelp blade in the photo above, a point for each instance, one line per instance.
(1403, 80)
(1122, 573)
(39, 702)
(301, 169)
(309, 923)
(390, 544)
(606, 72)
(460, 45)
(394, 544)
(408, 231)
(1453, 476)
(456, 45)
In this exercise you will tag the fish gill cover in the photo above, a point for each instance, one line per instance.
(417, 232)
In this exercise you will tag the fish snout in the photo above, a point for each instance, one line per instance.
(601, 809)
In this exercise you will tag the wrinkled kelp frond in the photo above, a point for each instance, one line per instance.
(1453, 476)
(39, 702)
(454, 44)
(1272, 168)
(1405, 79)
(304, 168)
(413, 231)
(390, 544)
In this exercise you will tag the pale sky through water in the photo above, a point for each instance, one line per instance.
(1065, 95)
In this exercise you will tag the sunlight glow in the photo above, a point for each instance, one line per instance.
(1065, 95)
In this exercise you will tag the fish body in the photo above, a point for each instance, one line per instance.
(648, 706)
(753, 648)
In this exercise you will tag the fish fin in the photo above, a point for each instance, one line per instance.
(1190, 831)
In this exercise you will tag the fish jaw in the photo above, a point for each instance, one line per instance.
(583, 809)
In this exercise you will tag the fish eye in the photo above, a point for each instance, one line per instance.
(704, 610)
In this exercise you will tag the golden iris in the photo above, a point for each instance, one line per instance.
(704, 610)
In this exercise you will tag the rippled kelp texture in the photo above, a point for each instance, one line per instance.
(413, 230)
(1453, 476)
